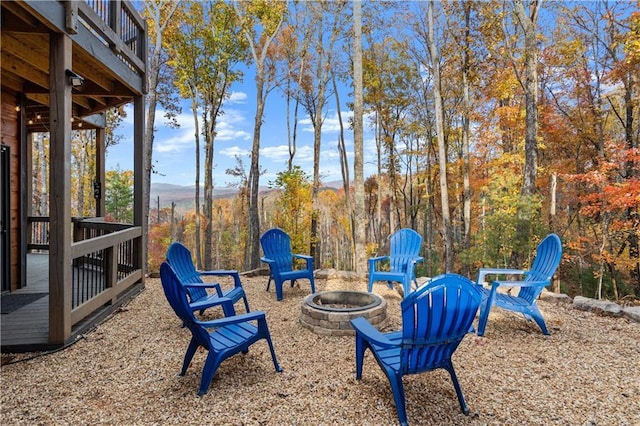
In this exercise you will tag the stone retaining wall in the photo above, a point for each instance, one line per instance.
(600, 307)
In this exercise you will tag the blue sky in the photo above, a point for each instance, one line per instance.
(174, 149)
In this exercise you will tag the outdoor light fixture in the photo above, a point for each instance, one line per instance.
(74, 79)
(17, 108)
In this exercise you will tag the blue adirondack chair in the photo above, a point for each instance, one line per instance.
(546, 262)
(276, 246)
(435, 319)
(404, 249)
(179, 257)
(222, 338)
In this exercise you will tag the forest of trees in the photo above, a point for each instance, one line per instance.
(496, 123)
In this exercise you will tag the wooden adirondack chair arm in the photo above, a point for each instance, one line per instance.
(226, 302)
(215, 286)
(308, 259)
(223, 273)
(267, 260)
(520, 283)
(378, 258)
(250, 316)
(418, 259)
(374, 260)
(370, 333)
(497, 271)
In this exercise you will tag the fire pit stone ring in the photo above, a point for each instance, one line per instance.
(329, 313)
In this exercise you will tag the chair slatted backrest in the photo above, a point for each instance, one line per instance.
(548, 255)
(179, 257)
(276, 245)
(404, 247)
(176, 295)
(435, 318)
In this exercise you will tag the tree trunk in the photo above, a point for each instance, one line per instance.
(208, 183)
(344, 169)
(254, 176)
(153, 71)
(259, 52)
(194, 108)
(358, 143)
(552, 204)
(528, 25)
(447, 232)
(378, 229)
(466, 202)
(315, 188)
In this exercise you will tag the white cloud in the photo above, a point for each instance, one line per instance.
(232, 135)
(237, 98)
(228, 126)
(234, 151)
(175, 140)
(331, 123)
(280, 153)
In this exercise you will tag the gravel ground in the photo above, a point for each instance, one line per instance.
(126, 372)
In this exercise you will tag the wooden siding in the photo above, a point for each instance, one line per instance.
(11, 138)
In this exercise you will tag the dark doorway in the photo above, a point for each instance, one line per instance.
(5, 243)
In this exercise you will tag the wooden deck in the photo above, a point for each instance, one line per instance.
(27, 328)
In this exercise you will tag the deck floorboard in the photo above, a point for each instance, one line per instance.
(27, 328)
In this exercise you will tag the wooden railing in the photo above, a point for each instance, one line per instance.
(116, 24)
(119, 26)
(38, 233)
(105, 263)
(104, 260)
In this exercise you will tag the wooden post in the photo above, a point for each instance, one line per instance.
(60, 189)
(111, 271)
(552, 204)
(114, 21)
(71, 17)
(140, 209)
(98, 183)
(26, 190)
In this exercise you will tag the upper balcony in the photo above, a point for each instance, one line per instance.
(109, 54)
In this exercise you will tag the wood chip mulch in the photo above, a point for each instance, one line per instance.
(587, 372)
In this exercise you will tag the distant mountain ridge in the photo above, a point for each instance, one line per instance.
(163, 194)
(181, 192)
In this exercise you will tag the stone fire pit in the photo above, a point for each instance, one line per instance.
(328, 313)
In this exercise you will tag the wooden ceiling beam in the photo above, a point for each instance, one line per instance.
(16, 18)
(10, 81)
(19, 48)
(90, 70)
(20, 68)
